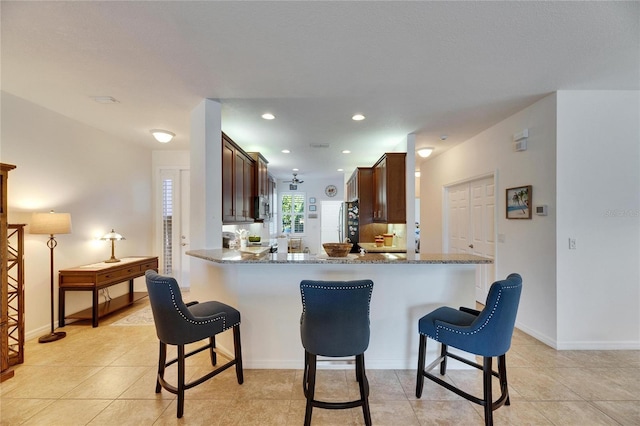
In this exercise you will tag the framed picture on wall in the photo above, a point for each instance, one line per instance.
(519, 201)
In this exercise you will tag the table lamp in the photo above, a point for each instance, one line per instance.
(51, 223)
(113, 236)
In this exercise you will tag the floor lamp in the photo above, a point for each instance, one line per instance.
(51, 223)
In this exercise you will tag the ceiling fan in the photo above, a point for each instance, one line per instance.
(295, 180)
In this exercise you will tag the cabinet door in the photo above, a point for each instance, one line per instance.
(380, 197)
(247, 190)
(238, 187)
(395, 194)
(365, 193)
(352, 187)
(228, 177)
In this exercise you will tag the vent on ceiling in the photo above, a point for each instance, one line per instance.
(319, 145)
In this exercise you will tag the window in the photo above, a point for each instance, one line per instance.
(167, 226)
(293, 210)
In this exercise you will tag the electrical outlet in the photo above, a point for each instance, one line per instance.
(572, 243)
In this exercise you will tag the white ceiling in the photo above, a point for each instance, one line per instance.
(429, 68)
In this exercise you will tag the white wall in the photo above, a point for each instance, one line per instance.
(583, 161)
(63, 165)
(313, 188)
(529, 245)
(598, 200)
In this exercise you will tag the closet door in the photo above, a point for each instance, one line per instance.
(471, 218)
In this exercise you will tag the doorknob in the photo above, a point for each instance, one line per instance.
(470, 245)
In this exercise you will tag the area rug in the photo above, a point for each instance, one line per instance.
(142, 317)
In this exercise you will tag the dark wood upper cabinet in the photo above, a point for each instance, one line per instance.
(389, 193)
(261, 186)
(238, 190)
(360, 188)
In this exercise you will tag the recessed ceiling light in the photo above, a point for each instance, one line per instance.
(443, 137)
(162, 136)
(268, 116)
(295, 170)
(340, 170)
(425, 152)
(358, 117)
(105, 99)
(285, 151)
(346, 151)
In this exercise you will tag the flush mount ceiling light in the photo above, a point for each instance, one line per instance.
(425, 152)
(346, 151)
(268, 116)
(162, 136)
(285, 151)
(358, 117)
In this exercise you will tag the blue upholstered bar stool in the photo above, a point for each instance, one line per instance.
(179, 324)
(335, 323)
(486, 333)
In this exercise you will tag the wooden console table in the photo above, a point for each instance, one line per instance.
(101, 275)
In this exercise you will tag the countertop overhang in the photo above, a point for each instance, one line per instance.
(230, 256)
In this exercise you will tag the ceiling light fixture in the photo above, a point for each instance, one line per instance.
(340, 170)
(346, 151)
(358, 117)
(425, 152)
(443, 137)
(295, 170)
(268, 116)
(162, 136)
(285, 151)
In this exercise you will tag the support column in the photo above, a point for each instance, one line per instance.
(206, 175)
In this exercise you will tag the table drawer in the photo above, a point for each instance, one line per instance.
(120, 274)
(152, 264)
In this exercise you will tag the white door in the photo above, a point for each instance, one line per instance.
(329, 222)
(184, 227)
(471, 217)
(173, 224)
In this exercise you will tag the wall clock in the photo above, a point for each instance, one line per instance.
(331, 190)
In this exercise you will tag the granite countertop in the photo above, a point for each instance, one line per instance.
(246, 257)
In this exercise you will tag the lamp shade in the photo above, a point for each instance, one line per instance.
(50, 223)
(113, 235)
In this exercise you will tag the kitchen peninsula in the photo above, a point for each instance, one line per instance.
(264, 287)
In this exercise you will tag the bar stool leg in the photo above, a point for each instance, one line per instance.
(162, 360)
(488, 398)
(310, 369)
(237, 349)
(364, 389)
(422, 350)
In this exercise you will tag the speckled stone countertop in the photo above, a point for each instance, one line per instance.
(242, 257)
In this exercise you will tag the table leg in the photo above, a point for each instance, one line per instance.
(94, 309)
(131, 290)
(61, 307)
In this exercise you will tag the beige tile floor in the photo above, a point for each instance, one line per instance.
(106, 376)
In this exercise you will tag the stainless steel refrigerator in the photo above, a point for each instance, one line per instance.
(349, 224)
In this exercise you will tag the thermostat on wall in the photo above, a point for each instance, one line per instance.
(541, 210)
